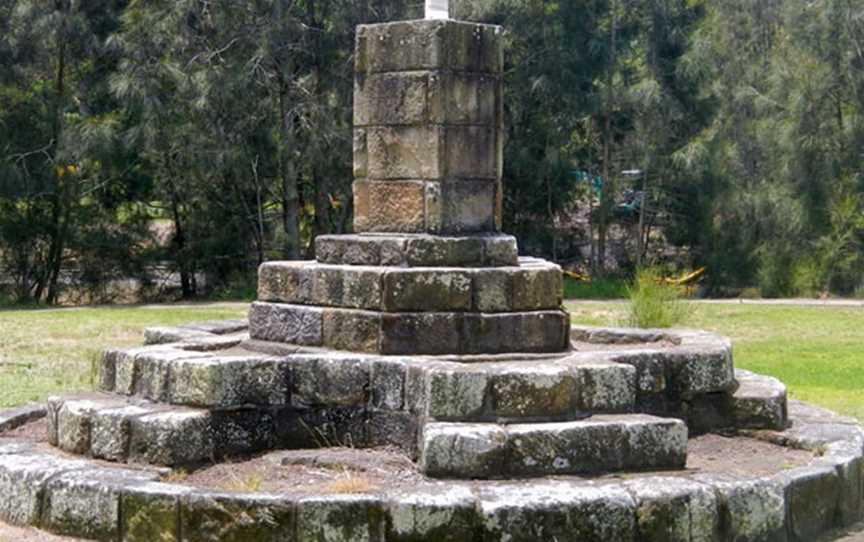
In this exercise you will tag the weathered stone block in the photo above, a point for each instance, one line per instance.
(535, 391)
(759, 402)
(338, 518)
(470, 153)
(812, 500)
(171, 438)
(151, 511)
(73, 425)
(599, 444)
(283, 281)
(457, 393)
(465, 206)
(846, 459)
(464, 98)
(236, 518)
(387, 386)
(361, 155)
(418, 250)
(391, 98)
(409, 152)
(463, 450)
(537, 287)
(396, 429)
(675, 510)
(327, 380)
(87, 503)
(751, 510)
(107, 363)
(493, 290)
(325, 427)
(357, 331)
(695, 371)
(110, 432)
(559, 511)
(389, 206)
(606, 387)
(426, 290)
(420, 333)
(538, 331)
(429, 45)
(286, 323)
(444, 513)
(22, 480)
(242, 431)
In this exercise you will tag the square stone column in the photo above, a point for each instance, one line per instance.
(428, 127)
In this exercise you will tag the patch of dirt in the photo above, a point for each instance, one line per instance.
(10, 533)
(582, 346)
(35, 431)
(742, 455)
(330, 470)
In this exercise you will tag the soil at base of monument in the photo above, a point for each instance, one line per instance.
(351, 470)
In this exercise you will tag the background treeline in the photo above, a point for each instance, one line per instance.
(196, 138)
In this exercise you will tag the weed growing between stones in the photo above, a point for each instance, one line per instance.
(349, 483)
(654, 303)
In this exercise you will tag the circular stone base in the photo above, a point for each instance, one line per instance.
(760, 485)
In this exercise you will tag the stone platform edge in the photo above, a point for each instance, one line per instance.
(81, 498)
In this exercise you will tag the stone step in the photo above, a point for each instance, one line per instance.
(600, 444)
(490, 250)
(529, 286)
(410, 333)
(125, 430)
(759, 402)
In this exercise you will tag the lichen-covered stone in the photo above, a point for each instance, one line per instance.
(493, 290)
(151, 511)
(286, 323)
(456, 392)
(86, 503)
(173, 437)
(598, 444)
(812, 500)
(420, 333)
(451, 450)
(559, 511)
(340, 518)
(674, 510)
(426, 290)
(330, 380)
(22, 480)
(392, 428)
(228, 517)
(537, 288)
(846, 459)
(387, 384)
(354, 330)
(444, 513)
(167, 335)
(606, 387)
(486, 250)
(284, 281)
(751, 509)
(701, 370)
(759, 402)
(73, 425)
(110, 432)
(533, 391)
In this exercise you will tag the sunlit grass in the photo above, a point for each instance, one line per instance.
(817, 351)
(49, 351)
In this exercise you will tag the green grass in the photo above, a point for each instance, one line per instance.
(818, 352)
(602, 288)
(43, 352)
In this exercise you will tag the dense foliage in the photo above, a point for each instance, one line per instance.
(203, 137)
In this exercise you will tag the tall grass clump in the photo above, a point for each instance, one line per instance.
(654, 303)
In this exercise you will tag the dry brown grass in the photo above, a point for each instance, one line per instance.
(348, 483)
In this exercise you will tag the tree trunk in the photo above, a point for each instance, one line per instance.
(290, 192)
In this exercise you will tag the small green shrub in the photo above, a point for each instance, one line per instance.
(654, 303)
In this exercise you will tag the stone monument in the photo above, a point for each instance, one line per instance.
(425, 333)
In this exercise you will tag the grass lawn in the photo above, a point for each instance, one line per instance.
(818, 352)
(43, 352)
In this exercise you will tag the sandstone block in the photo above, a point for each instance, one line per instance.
(173, 437)
(282, 281)
(812, 499)
(387, 386)
(606, 387)
(675, 510)
(759, 402)
(456, 393)
(22, 481)
(286, 323)
(340, 518)
(426, 290)
(557, 511)
(444, 513)
(751, 510)
(235, 518)
(537, 288)
(470, 152)
(390, 206)
(493, 290)
(150, 512)
(327, 380)
(429, 45)
(420, 333)
(463, 450)
(395, 429)
(361, 155)
(537, 391)
(391, 98)
(465, 206)
(357, 331)
(110, 432)
(409, 152)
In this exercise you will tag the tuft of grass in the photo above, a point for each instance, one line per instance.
(349, 483)
(654, 303)
(250, 483)
(598, 288)
(176, 476)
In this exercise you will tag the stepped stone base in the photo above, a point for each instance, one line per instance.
(604, 443)
(92, 499)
